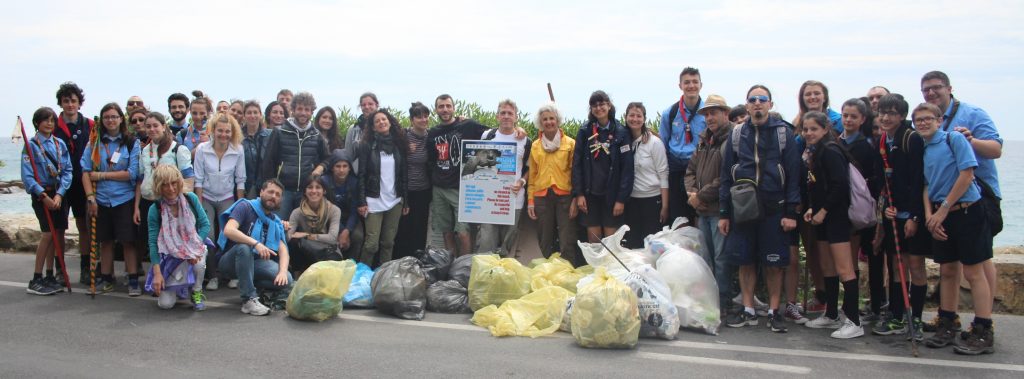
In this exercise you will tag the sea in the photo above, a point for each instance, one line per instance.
(1011, 182)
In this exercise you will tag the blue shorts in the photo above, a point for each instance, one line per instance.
(762, 241)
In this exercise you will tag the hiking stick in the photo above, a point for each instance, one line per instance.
(551, 95)
(58, 250)
(610, 251)
(899, 254)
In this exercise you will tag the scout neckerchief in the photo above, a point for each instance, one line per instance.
(597, 146)
(53, 167)
(687, 115)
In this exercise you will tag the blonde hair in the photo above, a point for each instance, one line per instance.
(236, 130)
(164, 174)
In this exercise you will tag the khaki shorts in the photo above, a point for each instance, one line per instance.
(444, 209)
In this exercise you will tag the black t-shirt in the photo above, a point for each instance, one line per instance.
(444, 151)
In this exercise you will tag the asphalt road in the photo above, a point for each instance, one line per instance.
(117, 336)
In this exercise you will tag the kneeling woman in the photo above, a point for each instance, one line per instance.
(828, 189)
(177, 226)
(313, 236)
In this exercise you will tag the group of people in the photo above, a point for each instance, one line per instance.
(256, 195)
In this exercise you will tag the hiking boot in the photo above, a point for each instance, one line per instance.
(916, 330)
(848, 330)
(39, 287)
(944, 334)
(253, 307)
(54, 283)
(213, 284)
(824, 322)
(777, 322)
(978, 340)
(890, 326)
(199, 301)
(741, 319)
(792, 313)
(931, 325)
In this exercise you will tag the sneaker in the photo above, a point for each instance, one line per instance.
(213, 284)
(932, 325)
(253, 307)
(741, 319)
(823, 322)
(233, 283)
(777, 323)
(944, 334)
(848, 330)
(134, 289)
(103, 286)
(815, 306)
(869, 316)
(39, 287)
(792, 313)
(978, 340)
(199, 301)
(890, 326)
(916, 330)
(760, 308)
(57, 285)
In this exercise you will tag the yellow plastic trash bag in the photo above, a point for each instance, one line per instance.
(317, 294)
(537, 314)
(558, 273)
(605, 314)
(555, 258)
(494, 280)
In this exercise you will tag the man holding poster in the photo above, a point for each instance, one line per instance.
(501, 238)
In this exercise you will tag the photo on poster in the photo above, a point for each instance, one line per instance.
(488, 174)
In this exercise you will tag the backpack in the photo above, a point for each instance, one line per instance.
(780, 132)
(989, 201)
(862, 205)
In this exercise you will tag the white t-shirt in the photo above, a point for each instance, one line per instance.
(520, 152)
(388, 197)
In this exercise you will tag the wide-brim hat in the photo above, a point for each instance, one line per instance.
(714, 101)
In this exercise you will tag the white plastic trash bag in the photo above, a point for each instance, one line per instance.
(693, 286)
(686, 237)
(659, 317)
(598, 256)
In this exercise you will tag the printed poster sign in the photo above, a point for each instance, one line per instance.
(485, 191)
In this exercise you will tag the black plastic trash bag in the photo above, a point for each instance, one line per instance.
(460, 269)
(400, 288)
(448, 296)
(435, 263)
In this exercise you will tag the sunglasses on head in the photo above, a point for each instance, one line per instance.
(757, 99)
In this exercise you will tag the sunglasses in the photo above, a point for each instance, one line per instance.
(138, 120)
(134, 103)
(757, 99)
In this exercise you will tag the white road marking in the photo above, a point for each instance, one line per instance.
(725, 363)
(683, 344)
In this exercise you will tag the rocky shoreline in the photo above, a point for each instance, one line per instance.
(8, 186)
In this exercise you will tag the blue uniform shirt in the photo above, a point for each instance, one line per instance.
(981, 126)
(678, 151)
(191, 138)
(942, 165)
(51, 174)
(111, 193)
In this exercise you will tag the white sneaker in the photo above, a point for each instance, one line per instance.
(253, 307)
(233, 283)
(848, 330)
(824, 322)
(213, 284)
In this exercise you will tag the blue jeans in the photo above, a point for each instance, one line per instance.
(241, 262)
(715, 242)
(289, 201)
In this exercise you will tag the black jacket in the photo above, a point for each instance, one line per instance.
(828, 184)
(369, 175)
(291, 155)
(620, 176)
(906, 158)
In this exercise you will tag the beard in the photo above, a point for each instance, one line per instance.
(178, 117)
(270, 205)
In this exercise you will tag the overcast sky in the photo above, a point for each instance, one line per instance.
(409, 51)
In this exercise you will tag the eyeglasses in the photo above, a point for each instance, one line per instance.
(924, 120)
(892, 114)
(111, 118)
(758, 99)
(134, 103)
(138, 120)
(934, 88)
